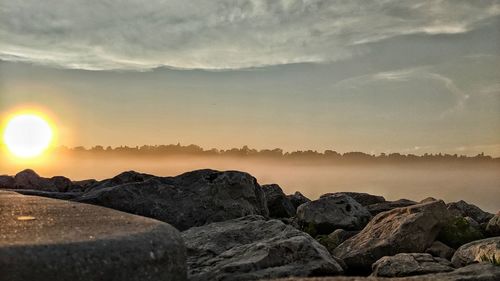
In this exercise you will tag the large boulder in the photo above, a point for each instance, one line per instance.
(191, 199)
(327, 214)
(298, 199)
(458, 231)
(378, 208)
(252, 248)
(408, 264)
(403, 230)
(486, 250)
(474, 272)
(493, 226)
(439, 249)
(123, 178)
(464, 209)
(58, 240)
(364, 199)
(278, 204)
(29, 179)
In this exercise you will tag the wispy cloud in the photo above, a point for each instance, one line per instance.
(224, 34)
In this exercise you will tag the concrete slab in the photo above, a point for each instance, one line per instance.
(49, 239)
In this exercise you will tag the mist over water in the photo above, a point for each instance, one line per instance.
(475, 183)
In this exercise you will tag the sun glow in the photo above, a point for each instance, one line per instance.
(27, 135)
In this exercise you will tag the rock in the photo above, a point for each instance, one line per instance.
(378, 208)
(486, 250)
(252, 248)
(298, 199)
(49, 194)
(123, 178)
(439, 249)
(191, 199)
(459, 231)
(327, 214)
(428, 199)
(85, 184)
(493, 226)
(57, 240)
(334, 239)
(278, 204)
(408, 264)
(29, 179)
(364, 199)
(465, 209)
(7, 182)
(409, 229)
(473, 272)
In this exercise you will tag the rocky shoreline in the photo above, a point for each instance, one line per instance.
(235, 229)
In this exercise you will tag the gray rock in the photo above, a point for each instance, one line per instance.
(364, 199)
(403, 230)
(459, 231)
(252, 248)
(49, 194)
(378, 208)
(439, 249)
(473, 272)
(55, 240)
(191, 199)
(123, 178)
(327, 214)
(7, 182)
(408, 264)
(278, 204)
(493, 226)
(485, 250)
(298, 199)
(465, 209)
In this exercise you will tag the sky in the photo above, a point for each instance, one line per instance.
(371, 76)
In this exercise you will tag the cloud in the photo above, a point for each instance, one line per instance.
(225, 34)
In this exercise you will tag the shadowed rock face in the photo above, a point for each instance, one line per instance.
(409, 229)
(487, 250)
(278, 204)
(298, 199)
(493, 226)
(252, 248)
(465, 209)
(364, 199)
(29, 179)
(378, 208)
(123, 178)
(410, 264)
(326, 214)
(191, 199)
(439, 249)
(57, 240)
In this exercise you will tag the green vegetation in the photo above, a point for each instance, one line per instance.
(457, 232)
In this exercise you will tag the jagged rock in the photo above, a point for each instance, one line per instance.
(86, 184)
(191, 199)
(298, 199)
(493, 226)
(465, 209)
(459, 231)
(473, 272)
(327, 214)
(252, 248)
(428, 199)
(29, 179)
(408, 264)
(278, 204)
(7, 182)
(439, 249)
(378, 208)
(123, 178)
(485, 250)
(334, 239)
(364, 199)
(409, 229)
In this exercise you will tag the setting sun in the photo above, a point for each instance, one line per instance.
(27, 135)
